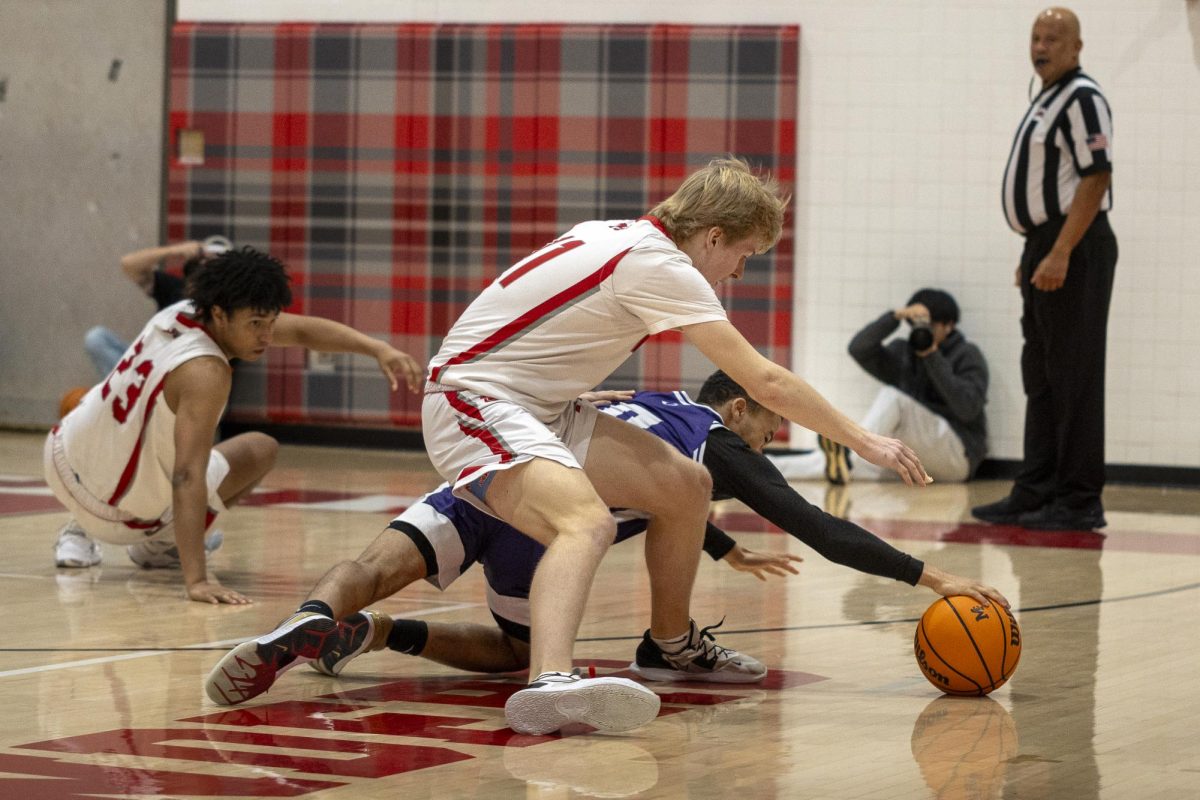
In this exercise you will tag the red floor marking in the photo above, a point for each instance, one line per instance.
(376, 759)
(85, 781)
(274, 497)
(14, 502)
(12, 505)
(1113, 539)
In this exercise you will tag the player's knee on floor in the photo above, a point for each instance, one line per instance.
(266, 450)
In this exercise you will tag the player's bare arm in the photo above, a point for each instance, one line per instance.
(196, 391)
(139, 265)
(328, 336)
(793, 398)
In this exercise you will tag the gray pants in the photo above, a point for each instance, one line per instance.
(897, 415)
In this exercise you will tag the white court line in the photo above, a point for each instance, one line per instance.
(88, 662)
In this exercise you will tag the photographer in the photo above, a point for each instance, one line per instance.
(934, 398)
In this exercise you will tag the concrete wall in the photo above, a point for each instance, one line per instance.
(80, 173)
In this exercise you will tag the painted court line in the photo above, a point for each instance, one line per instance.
(88, 662)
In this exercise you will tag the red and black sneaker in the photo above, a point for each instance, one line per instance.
(251, 668)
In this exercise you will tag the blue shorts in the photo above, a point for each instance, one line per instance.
(452, 535)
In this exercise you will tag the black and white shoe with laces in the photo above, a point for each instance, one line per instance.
(700, 659)
(555, 699)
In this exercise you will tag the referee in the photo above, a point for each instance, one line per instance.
(1057, 190)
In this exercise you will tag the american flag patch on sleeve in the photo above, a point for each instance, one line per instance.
(1097, 141)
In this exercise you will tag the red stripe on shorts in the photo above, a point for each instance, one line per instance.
(482, 434)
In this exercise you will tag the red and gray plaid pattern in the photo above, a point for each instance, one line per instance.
(398, 168)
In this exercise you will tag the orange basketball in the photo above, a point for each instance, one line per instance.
(71, 399)
(965, 648)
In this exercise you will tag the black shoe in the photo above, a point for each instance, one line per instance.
(1056, 517)
(837, 461)
(1006, 511)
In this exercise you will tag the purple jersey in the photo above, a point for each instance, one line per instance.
(671, 416)
(458, 535)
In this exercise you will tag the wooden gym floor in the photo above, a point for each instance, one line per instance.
(101, 669)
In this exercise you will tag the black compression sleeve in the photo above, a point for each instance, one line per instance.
(717, 542)
(738, 471)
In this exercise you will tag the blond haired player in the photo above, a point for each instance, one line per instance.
(503, 427)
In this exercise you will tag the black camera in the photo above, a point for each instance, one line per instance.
(921, 337)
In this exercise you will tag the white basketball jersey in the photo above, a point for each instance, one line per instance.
(560, 321)
(120, 439)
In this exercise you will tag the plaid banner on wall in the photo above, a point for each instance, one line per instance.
(397, 169)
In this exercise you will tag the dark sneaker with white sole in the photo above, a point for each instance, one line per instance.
(358, 633)
(837, 461)
(701, 659)
(251, 668)
(556, 699)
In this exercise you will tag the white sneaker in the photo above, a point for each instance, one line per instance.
(74, 548)
(163, 554)
(556, 698)
(701, 659)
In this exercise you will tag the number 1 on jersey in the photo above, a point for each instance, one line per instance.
(552, 250)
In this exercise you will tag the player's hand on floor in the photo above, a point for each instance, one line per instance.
(761, 564)
(895, 455)
(215, 593)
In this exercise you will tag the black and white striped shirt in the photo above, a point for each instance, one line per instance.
(1065, 136)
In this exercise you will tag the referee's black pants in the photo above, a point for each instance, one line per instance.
(1062, 367)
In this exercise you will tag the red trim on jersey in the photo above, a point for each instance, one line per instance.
(188, 322)
(656, 222)
(532, 316)
(482, 434)
(565, 247)
(131, 466)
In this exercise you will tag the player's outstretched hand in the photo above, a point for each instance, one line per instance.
(948, 584)
(393, 363)
(607, 397)
(205, 592)
(895, 455)
(761, 564)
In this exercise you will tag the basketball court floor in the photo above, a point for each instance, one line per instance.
(101, 670)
